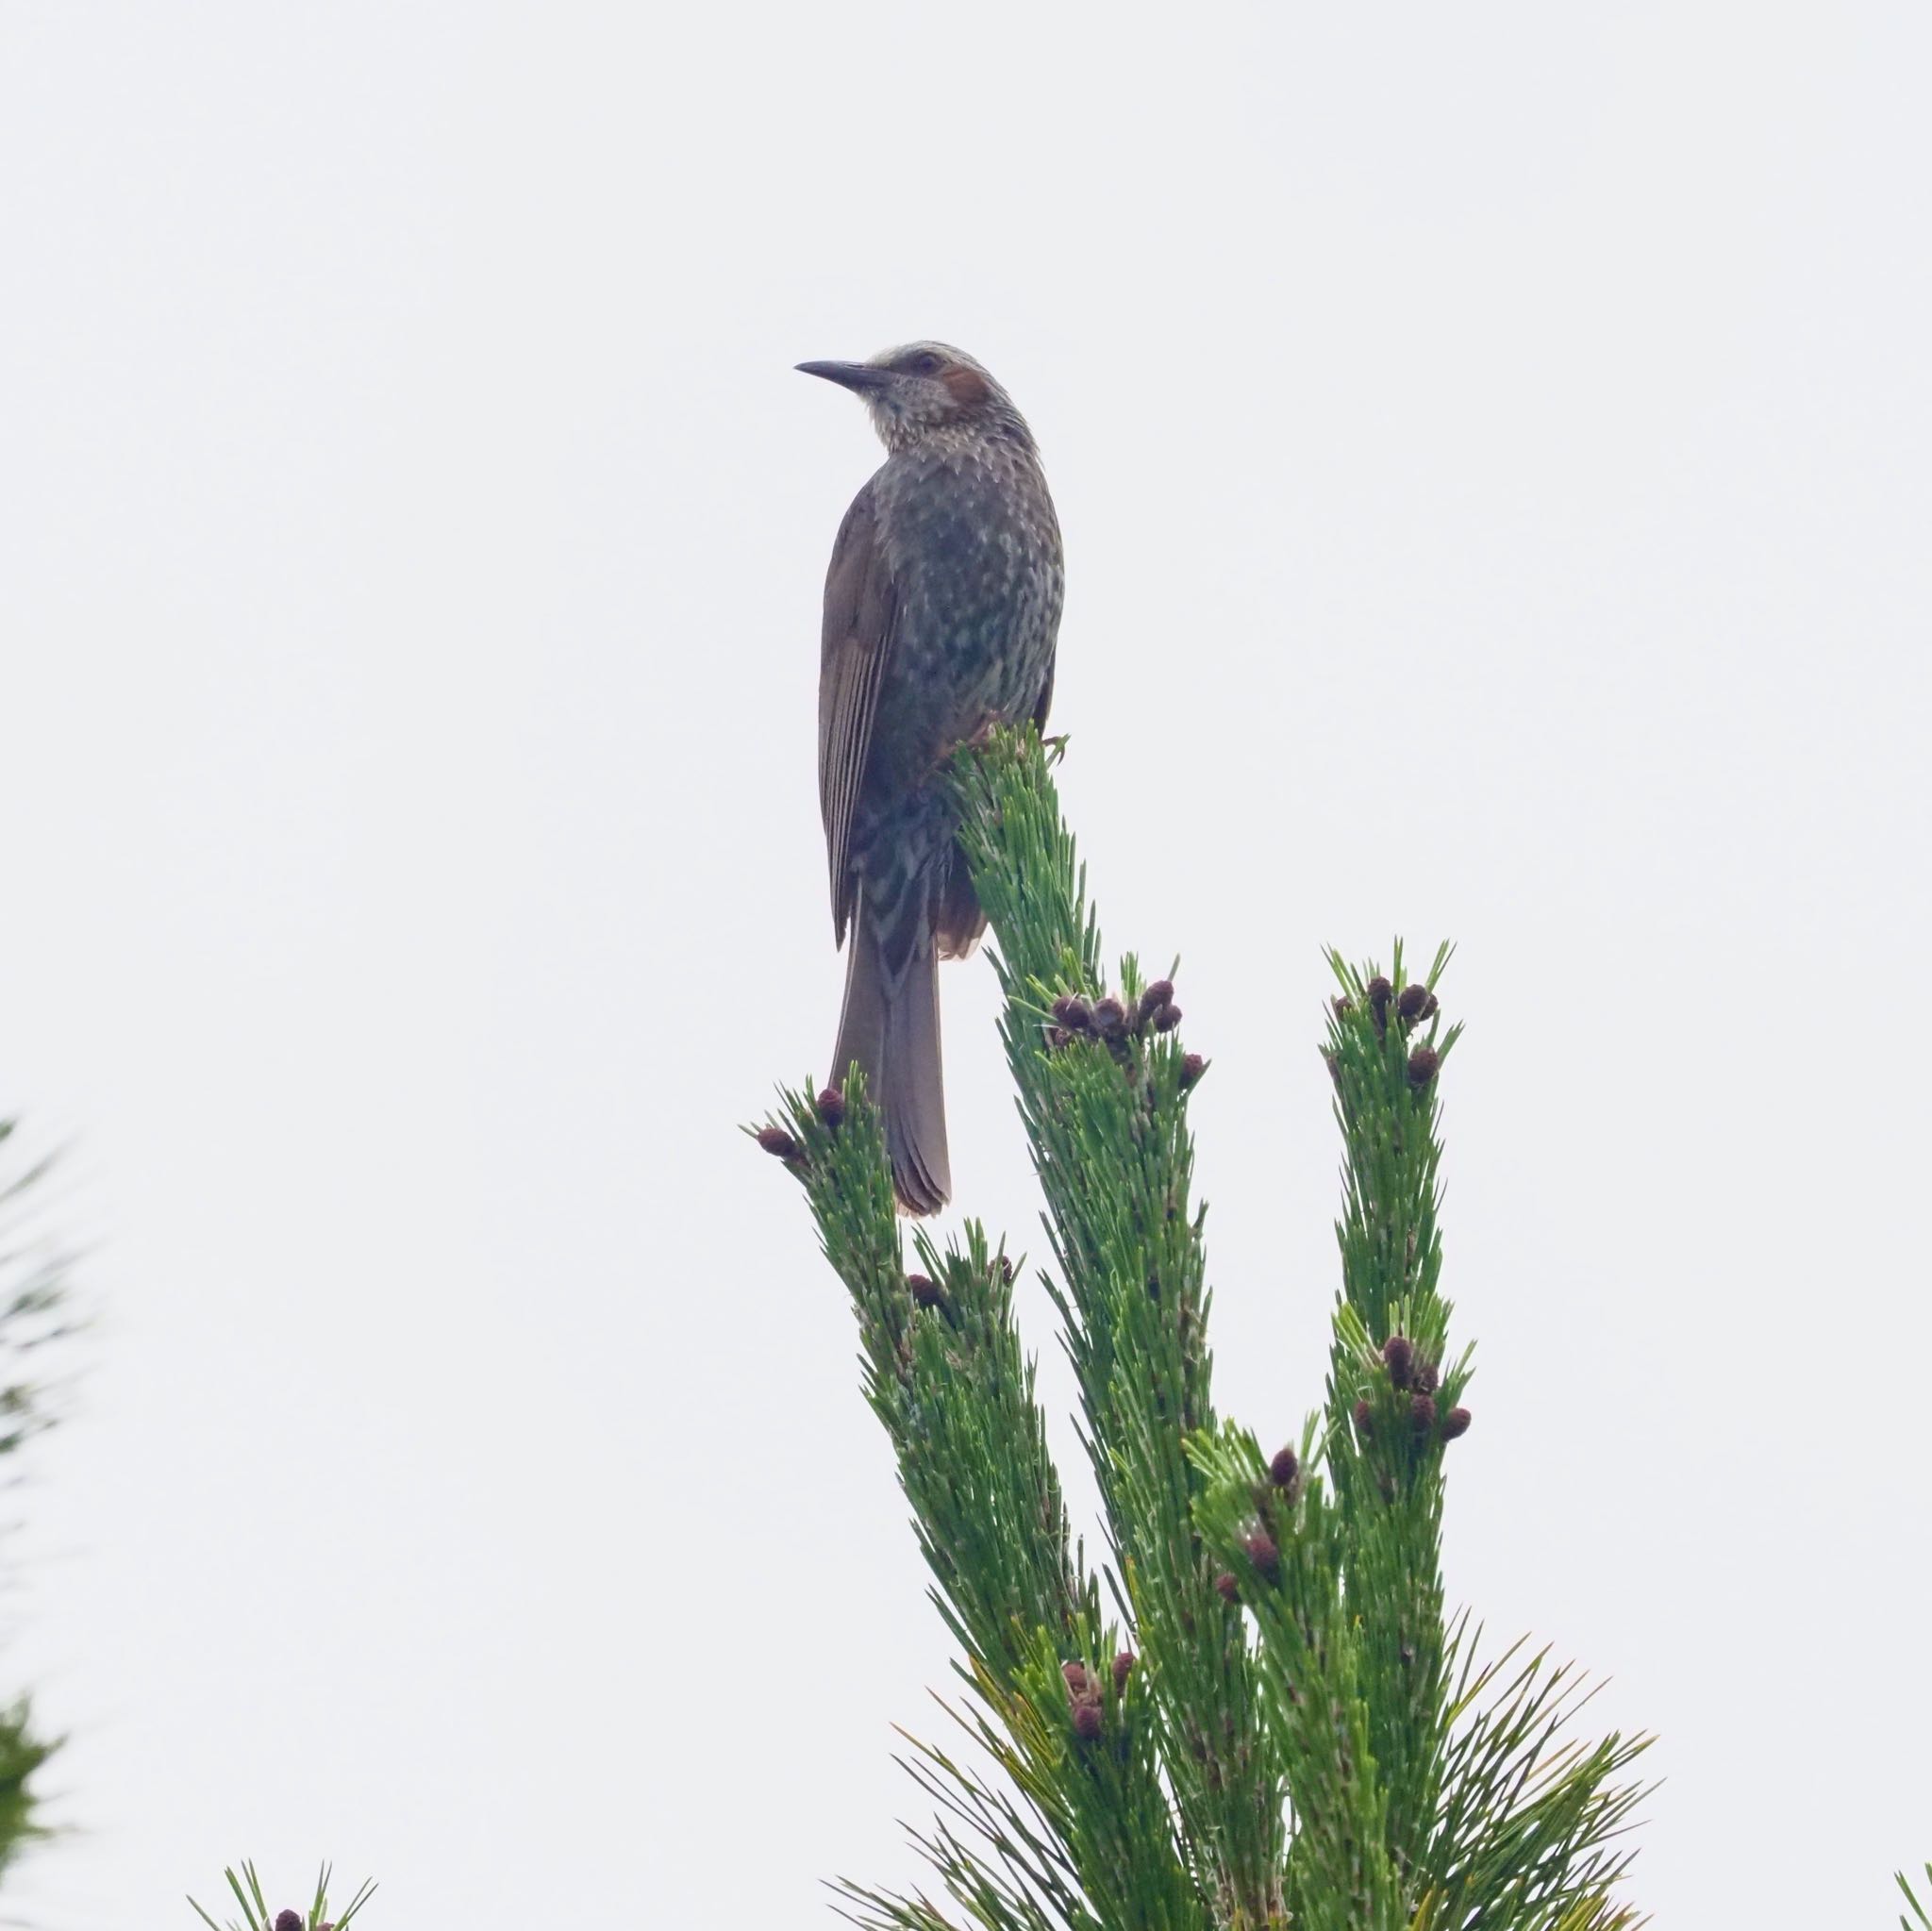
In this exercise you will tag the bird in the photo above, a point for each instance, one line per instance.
(942, 619)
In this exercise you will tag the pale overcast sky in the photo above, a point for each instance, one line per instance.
(1492, 444)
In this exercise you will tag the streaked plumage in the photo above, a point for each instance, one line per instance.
(942, 605)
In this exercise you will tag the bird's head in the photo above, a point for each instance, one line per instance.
(924, 389)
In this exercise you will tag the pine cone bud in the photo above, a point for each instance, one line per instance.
(1157, 995)
(1284, 1467)
(1339, 1006)
(1073, 1012)
(1455, 1422)
(1364, 1420)
(1192, 1067)
(1411, 1001)
(1166, 1019)
(1421, 1413)
(778, 1144)
(1398, 1350)
(290, 1921)
(1226, 1588)
(1123, 1669)
(1380, 991)
(1264, 1555)
(1426, 1376)
(924, 1291)
(1110, 1018)
(1076, 1678)
(1431, 1006)
(1422, 1065)
(832, 1106)
(1087, 1721)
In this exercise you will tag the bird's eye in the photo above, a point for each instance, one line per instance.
(926, 363)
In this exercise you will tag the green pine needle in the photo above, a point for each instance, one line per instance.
(1921, 1919)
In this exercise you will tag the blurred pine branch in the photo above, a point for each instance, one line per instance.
(34, 1304)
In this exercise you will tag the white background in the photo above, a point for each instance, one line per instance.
(1492, 447)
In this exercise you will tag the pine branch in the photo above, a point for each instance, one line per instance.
(1287, 1545)
(1528, 1818)
(34, 1268)
(947, 1376)
(1102, 1083)
(1498, 1820)
(1427, 1793)
(246, 1886)
(1390, 1401)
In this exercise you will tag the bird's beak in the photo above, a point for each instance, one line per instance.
(854, 376)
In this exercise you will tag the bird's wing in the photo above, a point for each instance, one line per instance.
(860, 616)
(1046, 703)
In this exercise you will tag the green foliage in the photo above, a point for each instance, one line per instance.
(34, 1268)
(21, 1753)
(33, 1298)
(1255, 1712)
(256, 1915)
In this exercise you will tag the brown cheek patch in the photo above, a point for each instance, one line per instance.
(967, 387)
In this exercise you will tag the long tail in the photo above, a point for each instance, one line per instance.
(890, 1025)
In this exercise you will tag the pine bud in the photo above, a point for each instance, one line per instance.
(832, 1106)
(1455, 1422)
(1226, 1588)
(1110, 1018)
(924, 1291)
(1284, 1467)
(1380, 991)
(1411, 1001)
(1422, 1065)
(1073, 1012)
(1123, 1669)
(1398, 1350)
(1339, 1006)
(1087, 1721)
(290, 1921)
(1431, 1006)
(1076, 1678)
(1264, 1555)
(778, 1144)
(1157, 995)
(1192, 1067)
(1421, 1413)
(1364, 1420)
(1167, 1018)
